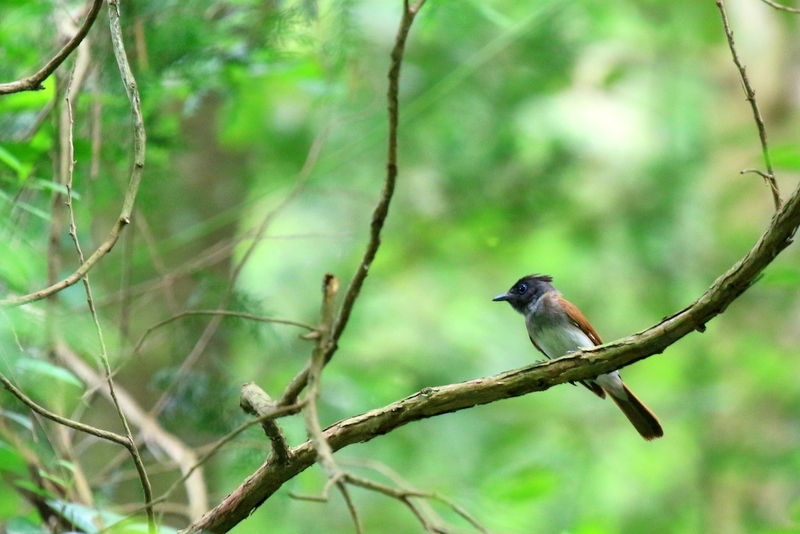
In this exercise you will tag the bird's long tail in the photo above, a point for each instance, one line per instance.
(640, 416)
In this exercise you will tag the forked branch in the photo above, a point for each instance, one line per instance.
(381, 209)
(139, 139)
(769, 176)
(34, 81)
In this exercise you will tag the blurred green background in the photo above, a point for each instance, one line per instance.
(598, 142)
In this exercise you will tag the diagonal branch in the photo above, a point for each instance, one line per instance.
(381, 209)
(769, 176)
(782, 7)
(151, 430)
(582, 365)
(34, 82)
(77, 425)
(139, 138)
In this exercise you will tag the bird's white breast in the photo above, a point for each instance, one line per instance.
(556, 341)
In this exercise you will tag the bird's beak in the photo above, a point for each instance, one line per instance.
(500, 298)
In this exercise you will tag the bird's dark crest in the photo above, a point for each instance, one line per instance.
(541, 277)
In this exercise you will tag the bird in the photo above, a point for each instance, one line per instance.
(556, 327)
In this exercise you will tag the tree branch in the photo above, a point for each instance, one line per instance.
(769, 176)
(381, 209)
(582, 365)
(77, 425)
(255, 401)
(781, 6)
(228, 313)
(34, 82)
(151, 430)
(139, 138)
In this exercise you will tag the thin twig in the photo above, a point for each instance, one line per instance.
(58, 210)
(139, 139)
(351, 507)
(82, 427)
(581, 365)
(34, 82)
(405, 489)
(402, 493)
(226, 313)
(381, 209)
(276, 413)
(769, 177)
(781, 7)
(380, 467)
(305, 172)
(81, 65)
(134, 450)
(330, 287)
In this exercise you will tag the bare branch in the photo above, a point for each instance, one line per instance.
(330, 286)
(255, 401)
(351, 507)
(769, 177)
(102, 434)
(151, 431)
(382, 208)
(34, 82)
(73, 232)
(139, 138)
(133, 448)
(405, 494)
(781, 7)
(582, 365)
(228, 313)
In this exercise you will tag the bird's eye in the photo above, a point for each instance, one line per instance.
(522, 288)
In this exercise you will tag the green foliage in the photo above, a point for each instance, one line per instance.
(599, 142)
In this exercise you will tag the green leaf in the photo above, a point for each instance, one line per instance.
(11, 460)
(33, 488)
(18, 418)
(33, 210)
(46, 370)
(11, 161)
(90, 520)
(23, 525)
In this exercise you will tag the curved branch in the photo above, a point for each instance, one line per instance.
(769, 176)
(34, 82)
(77, 425)
(586, 364)
(782, 7)
(227, 313)
(139, 138)
(381, 209)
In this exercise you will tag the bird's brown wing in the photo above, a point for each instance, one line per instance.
(578, 319)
